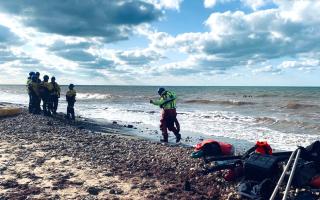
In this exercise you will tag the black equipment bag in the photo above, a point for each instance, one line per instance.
(305, 171)
(212, 149)
(311, 152)
(258, 167)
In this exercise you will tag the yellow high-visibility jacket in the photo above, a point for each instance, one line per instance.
(27, 86)
(55, 89)
(167, 100)
(71, 95)
(34, 88)
(47, 86)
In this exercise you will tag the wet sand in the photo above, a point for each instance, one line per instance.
(48, 158)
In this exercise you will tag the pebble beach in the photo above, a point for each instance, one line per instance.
(50, 158)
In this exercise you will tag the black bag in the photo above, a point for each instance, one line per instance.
(311, 152)
(259, 166)
(212, 149)
(305, 171)
(305, 196)
(255, 190)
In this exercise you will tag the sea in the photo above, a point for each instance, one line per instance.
(284, 116)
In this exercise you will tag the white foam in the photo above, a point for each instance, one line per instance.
(14, 98)
(210, 123)
(91, 96)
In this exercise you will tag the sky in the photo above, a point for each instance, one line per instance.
(162, 42)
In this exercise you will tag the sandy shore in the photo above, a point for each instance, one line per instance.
(47, 158)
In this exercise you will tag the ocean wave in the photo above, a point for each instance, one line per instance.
(267, 95)
(136, 111)
(287, 123)
(265, 120)
(294, 105)
(284, 122)
(222, 102)
(13, 97)
(91, 96)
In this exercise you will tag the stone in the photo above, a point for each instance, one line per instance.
(93, 190)
(9, 184)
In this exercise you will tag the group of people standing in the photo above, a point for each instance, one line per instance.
(49, 94)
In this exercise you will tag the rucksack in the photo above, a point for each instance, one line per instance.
(311, 152)
(304, 173)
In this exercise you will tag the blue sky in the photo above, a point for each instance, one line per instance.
(162, 42)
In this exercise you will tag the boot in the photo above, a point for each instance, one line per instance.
(165, 139)
(178, 137)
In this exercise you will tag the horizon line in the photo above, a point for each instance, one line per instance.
(179, 85)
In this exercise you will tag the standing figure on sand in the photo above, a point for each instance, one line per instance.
(29, 89)
(71, 99)
(55, 95)
(33, 89)
(168, 121)
(45, 91)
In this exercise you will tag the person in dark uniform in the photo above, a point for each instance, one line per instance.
(35, 95)
(45, 92)
(29, 81)
(55, 95)
(71, 99)
(38, 100)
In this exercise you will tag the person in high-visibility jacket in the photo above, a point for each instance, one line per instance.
(71, 99)
(55, 95)
(29, 81)
(168, 121)
(45, 91)
(38, 101)
(33, 87)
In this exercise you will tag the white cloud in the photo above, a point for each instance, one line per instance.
(237, 37)
(255, 4)
(167, 4)
(301, 64)
(209, 3)
(268, 69)
(172, 4)
(288, 35)
(111, 20)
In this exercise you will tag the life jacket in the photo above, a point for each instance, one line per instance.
(225, 148)
(55, 89)
(263, 147)
(71, 95)
(169, 99)
(34, 88)
(29, 81)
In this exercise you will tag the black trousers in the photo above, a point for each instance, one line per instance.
(35, 103)
(55, 102)
(46, 106)
(30, 103)
(70, 110)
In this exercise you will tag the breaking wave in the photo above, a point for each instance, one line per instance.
(293, 105)
(222, 102)
(265, 120)
(267, 95)
(287, 123)
(91, 96)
